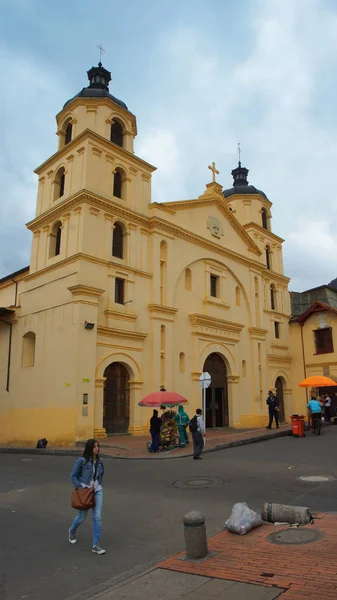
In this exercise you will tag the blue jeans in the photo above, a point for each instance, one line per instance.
(155, 441)
(96, 518)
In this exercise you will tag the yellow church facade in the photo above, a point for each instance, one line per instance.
(124, 295)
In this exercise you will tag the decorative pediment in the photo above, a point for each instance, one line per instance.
(206, 325)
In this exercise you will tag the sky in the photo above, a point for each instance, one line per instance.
(200, 77)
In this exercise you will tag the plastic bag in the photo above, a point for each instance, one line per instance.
(242, 519)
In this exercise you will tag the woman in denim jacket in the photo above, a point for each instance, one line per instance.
(88, 472)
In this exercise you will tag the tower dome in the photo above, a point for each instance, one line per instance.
(241, 184)
(98, 87)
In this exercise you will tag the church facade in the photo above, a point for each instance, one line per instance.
(124, 295)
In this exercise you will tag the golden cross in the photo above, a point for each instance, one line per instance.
(101, 49)
(214, 170)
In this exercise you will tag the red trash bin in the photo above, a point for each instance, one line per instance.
(298, 426)
(301, 426)
(295, 425)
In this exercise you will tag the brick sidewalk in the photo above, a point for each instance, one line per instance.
(126, 446)
(135, 447)
(304, 571)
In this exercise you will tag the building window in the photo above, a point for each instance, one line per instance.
(182, 362)
(264, 218)
(214, 286)
(188, 280)
(55, 240)
(28, 349)
(237, 296)
(117, 241)
(163, 269)
(272, 297)
(68, 135)
(268, 257)
(118, 184)
(59, 183)
(244, 368)
(116, 134)
(119, 290)
(323, 340)
(277, 329)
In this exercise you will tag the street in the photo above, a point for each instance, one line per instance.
(142, 509)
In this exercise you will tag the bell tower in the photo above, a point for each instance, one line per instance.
(94, 164)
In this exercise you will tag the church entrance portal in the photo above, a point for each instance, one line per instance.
(116, 412)
(217, 393)
(280, 397)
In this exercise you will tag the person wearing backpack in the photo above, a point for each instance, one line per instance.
(197, 429)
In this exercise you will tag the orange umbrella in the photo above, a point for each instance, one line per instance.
(317, 381)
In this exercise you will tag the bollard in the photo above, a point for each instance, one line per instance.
(286, 514)
(195, 535)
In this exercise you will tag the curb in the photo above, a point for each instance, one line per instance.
(71, 452)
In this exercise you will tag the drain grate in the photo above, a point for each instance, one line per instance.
(295, 536)
(198, 482)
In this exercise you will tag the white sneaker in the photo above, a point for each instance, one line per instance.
(98, 550)
(72, 537)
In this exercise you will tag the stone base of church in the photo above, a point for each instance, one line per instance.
(139, 429)
(100, 434)
(253, 421)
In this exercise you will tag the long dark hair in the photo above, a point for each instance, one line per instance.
(89, 449)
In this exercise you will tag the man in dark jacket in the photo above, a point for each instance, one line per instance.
(273, 405)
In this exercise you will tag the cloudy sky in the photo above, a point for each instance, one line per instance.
(200, 76)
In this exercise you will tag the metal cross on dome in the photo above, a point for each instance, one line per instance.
(214, 170)
(101, 49)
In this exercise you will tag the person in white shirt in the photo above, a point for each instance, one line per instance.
(327, 402)
(198, 434)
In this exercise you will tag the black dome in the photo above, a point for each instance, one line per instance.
(243, 189)
(241, 185)
(99, 86)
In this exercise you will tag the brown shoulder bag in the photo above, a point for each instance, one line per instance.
(84, 498)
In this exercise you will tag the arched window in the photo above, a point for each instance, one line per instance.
(118, 184)
(59, 183)
(244, 368)
(68, 135)
(264, 218)
(55, 240)
(182, 362)
(117, 241)
(116, 134)
(28, 349)
(268, 257)
(188, 280)
(272, 297)
(237, 296)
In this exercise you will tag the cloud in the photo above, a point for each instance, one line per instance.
(27, 123)
(271, 99)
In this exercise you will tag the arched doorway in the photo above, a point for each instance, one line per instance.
(279, 385)
(116, 407)
(217, 393)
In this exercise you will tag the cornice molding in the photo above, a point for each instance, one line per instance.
(165, 310)
(120, 316)
(274, 358)
(257, 333)
(85, 290)
(200, 320)
(115, 333)
(92, 136)
(266, 232)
